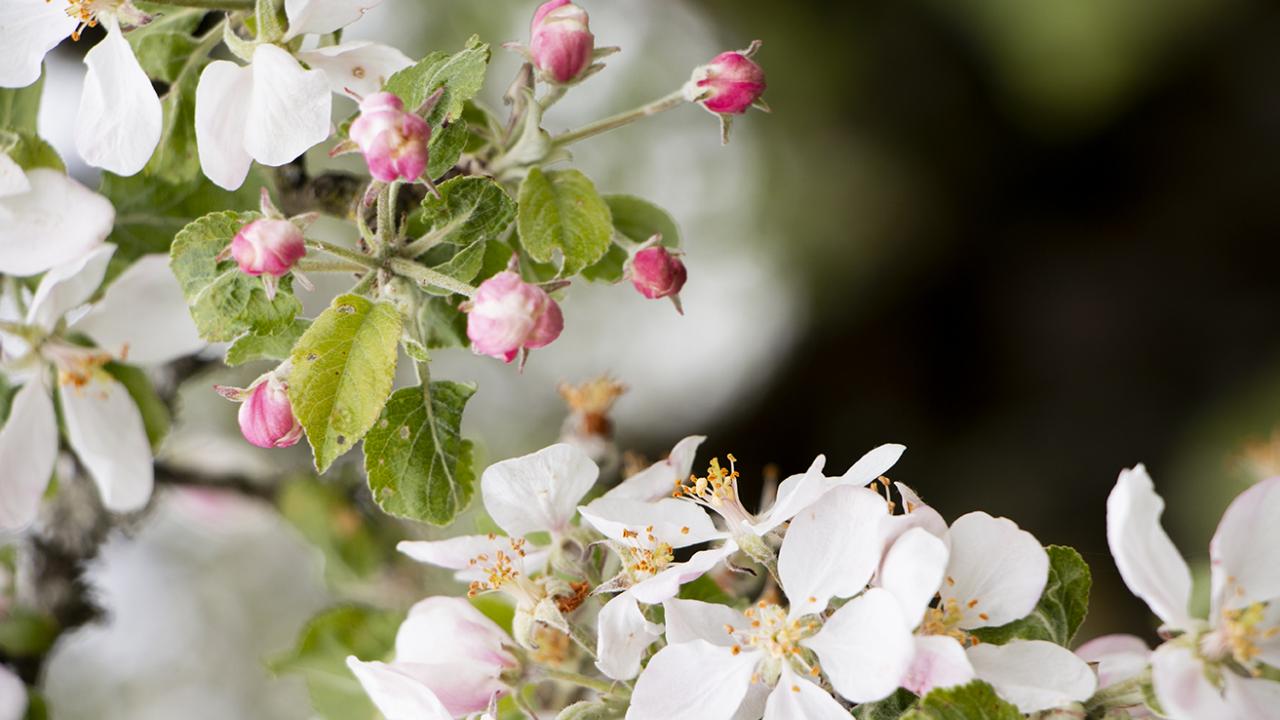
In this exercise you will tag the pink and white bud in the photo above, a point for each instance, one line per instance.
(658, 273)
(729, 84)
(508, 315)
(268, 247)
(392, 140)
(561, 44)
(266, 415)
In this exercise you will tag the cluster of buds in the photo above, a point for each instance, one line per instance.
(729, 85)
(271, 246)
(508, 316)
(657, 272)
(266, 415)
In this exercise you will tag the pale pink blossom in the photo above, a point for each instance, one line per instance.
(508, 315)
(392, 140)
(561, 43)
(268, 246)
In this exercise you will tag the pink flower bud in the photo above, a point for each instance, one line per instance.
(266, 417)
(561, 44)
(508, 314)
(657, 273)
(268, 247)
(393, 141)
(728, 85)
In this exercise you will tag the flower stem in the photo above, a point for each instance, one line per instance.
(228, 5)
(330, 266)
(344, 253)
(426, 276)
(662, 104)
(600, 686)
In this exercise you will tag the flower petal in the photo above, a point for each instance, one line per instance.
(939, 661)
(358, 67)
(29, 29)
(692, 681)
(1035, 675)
(68, 286)
(797, 697)
(320, 17)
(655, 482)
(913, 570)
(624, 634)
(915, 514)
(847, 519)
(13, 694)
(1119, 657)
(1244, 571)
(13, 181)
(143, 317)
(28, 449)
(997, 571)
(872, 465)
(288, 109)
(538, 492)
(36, 230)
(444, 630)
(118, 125)
(462, 686)
(1148, 562)
(697, 620)
(865, 647)
(671, 521)
(665, 584)
(397, 695)
(222, 111)
(794, 494)
(105, 429)
(1252, 698)
(456, 553)
(1182, 688)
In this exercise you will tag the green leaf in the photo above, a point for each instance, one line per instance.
(471, 209)
(343, 367)
(965, 702)
(155, 414)
(20, 106)
(462, 266)
(320, 656)
(638, 220)
(705, 589)
(224, 301)
(275, 346)
(441, 324)
(611, 268)
(445, 147)
(461, 74)
(890, 708)
(27, 633)
(561, 214)
(1062, 606)
(587, 710)
(418, 464)
(163, 54)
(29, 151)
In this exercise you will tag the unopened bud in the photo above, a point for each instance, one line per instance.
(729, 84)
(508, 315)
(392, 140)
(561, 44)
(266, 415)
(268, 247)
(658, 273)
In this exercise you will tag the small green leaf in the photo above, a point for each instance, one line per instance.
(29, 151)
(418, 464)
(461, 74)
(705, 589)
(964, 702)
(276, 346)
(890, 708)
(321, 658)
(27, 633)
(611, 268)
(463, 266)
(441, 324)
(587, 710)
(638, 220)
(343, 367)
(155, 414)
(20, 106)
(163, 54)
(1062, 606)
(445, 147)
(224, 301)
(561, 215)
(471, 209)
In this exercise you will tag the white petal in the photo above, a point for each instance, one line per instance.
(872, 465)
(538, 492)
(143, 317)
(692, 681)
(939, 661)
(831, 549)
(28, 30)
(119, 121)
(675, 522)
(1033, 674)
(447, 630)
(1252, 698)
(68, 286)
(915, 514)
(752, 707)
(794, 494)
(289, 109)
(105, 429)
(666, 584)
(1182, 688)
(1241, 553)
(997, 571)
(38, 232)
(697, 620)
(1119, 657)
(397, 695)
(913, 570)
(323, 16)
(623, 636)
(1148, 562)
(222, 110)
(456, 553)
(13, 695)
(13, 181)
(28, 449)
(797, 697)
(358, 67)
(656, 481)
(865, 647)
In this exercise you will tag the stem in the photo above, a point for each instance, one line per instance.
(228, 5)
(386, 215)
(324, 266)
(524, 705)
(600, 686)
(426, 276)
(662, 104)
(344, 253)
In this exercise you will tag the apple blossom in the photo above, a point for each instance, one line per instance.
(356, 67)
(268, 246)
(266, 415)
(561, 44)
(508, 315)
(1207, 669)
(36, 231)
(393, 141)
(728, 85)
(656, 272)
(1119, 660)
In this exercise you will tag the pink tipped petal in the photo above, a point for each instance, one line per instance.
(999, 570)
(623, 636)
(28, 449)
(1035, 675)
(118, 124)
(507, 316)
(1244, 572)
(865, 648)
(561, 42)
(266, 416)
(798, 697)
(939, 662)
(449, 630)
(666, 689)
(847, 518)
(1118, 657)
(1180, 684)
(398, 695)
(268, 247)
(538, 492)
(1148, 562)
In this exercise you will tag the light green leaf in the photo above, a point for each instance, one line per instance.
(155, 414)
(321, 658)
(461, 74)
(705, 589)
(1062, 606)
(637, 220)
(964, 702)
(587, 710)
(445, 147)
(19, 106)
(343, 367)
(276, 346)
(418, 464)
(26, 633)
(163, 54)
(470, 208)
(29, 151)
(890, 708)
(176, 158)
(561, 215)
(611, 268)
(441, 324)
(463, 266)
(224, 301)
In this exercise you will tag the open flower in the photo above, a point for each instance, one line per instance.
(119, 120)
(142, 318)
(1209, 669)
(36, 230)
(449, 663)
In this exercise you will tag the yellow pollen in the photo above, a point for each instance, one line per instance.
(717, 487)
(498, 573)
(1241, 631)
(944, 619)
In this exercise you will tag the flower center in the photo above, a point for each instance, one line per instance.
(77, 366)
(1239, 635)
(944, 619)
(88, 12)
(644, 558)
(503, 571)
(717, 490)
(771, 632)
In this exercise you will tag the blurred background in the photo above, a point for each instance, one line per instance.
(1033, 242)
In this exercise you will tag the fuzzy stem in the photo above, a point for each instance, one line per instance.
(327, 266)
(662, 104)
(601, 686)
(228, 5)
(344, 253)
(426, 276)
